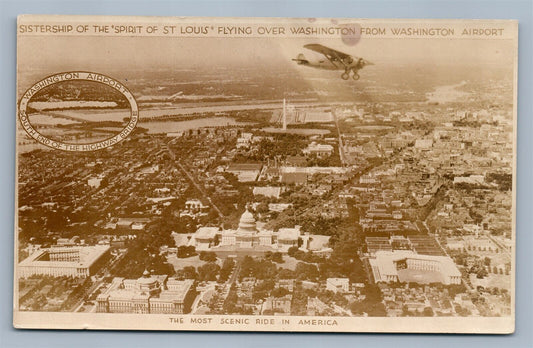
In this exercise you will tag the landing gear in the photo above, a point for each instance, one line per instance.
(355, 76)
(345, 76)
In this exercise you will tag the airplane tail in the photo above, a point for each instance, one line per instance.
(301, 59)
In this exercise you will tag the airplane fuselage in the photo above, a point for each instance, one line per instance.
(326, 64)
(334, 61)
(322, 64)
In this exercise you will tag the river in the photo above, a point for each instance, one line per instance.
(183, 126)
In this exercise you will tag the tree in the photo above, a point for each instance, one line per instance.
(285, 273)
(277, 257)
(372, 304)
(187, 272)
(208, 256)
(186, 251)
(139, 258)
(262, 289)
(208, 272)
(226, 269)
(279, 292)
(262, 208)
(428, 312)
(482, 273)
(292, 250)
(463, 312)
(486, 261)
(231, 301)
(299, 254)
(305, 271)
(260, 269)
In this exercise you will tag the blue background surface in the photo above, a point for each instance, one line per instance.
(520, 10)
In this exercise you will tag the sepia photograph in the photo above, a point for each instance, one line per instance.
(265, 174)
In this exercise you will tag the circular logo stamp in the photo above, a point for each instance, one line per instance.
(77, 76)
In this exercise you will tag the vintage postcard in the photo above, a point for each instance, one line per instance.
(265, 174)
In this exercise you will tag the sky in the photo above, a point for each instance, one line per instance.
(62, 53)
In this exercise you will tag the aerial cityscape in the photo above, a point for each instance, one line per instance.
(272, 189)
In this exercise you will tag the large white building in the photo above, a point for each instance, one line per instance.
(320, 150)
(338, 285)
(246, 236)
(150, 294)
(245, 172)
(407, 266)
(71, 261)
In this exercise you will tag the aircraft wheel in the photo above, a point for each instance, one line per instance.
(355, 76)
(345, 76)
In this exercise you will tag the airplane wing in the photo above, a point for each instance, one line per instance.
(328, 52)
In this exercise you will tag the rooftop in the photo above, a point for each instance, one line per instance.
(87, 256)
(244, 166)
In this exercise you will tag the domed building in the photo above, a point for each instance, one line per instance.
(247, 223)
(156, 294)
(246, 236)
(148, 284)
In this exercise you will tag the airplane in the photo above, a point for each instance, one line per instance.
(336, 60)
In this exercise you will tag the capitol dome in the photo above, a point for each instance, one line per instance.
(247, 222)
